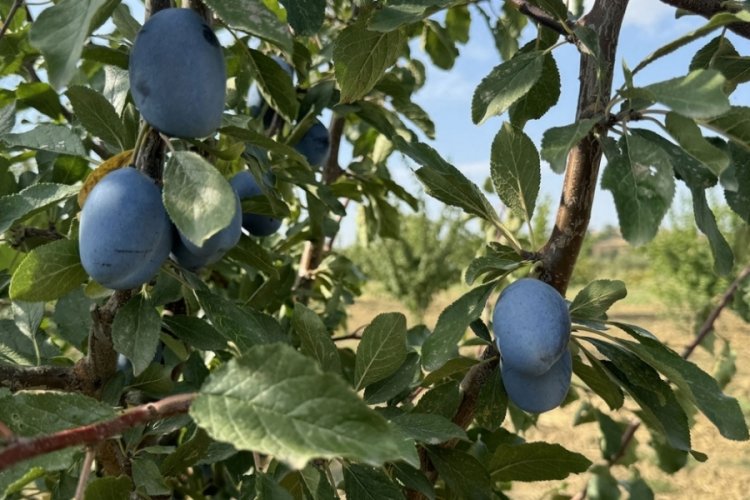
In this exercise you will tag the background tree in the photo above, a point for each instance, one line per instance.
(251, 395)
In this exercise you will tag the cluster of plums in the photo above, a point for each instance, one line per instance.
(125, 233)
(532, 327)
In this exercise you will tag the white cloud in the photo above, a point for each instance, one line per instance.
(645, 14)
(442, 85)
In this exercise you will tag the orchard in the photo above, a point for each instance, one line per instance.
(175, 307)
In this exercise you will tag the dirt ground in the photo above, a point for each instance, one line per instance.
(725, 475)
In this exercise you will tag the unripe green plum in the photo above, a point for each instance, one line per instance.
(178, 75)
(539, 393)
(532, 326)
(315, 144)
(256, 224)
(125, 234)
(192, 257)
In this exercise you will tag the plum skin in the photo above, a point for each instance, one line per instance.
(532, 326)
(125, 233)
(178, 74)
(256, 224)
(192, 257)
(315, 144)
(539, 393)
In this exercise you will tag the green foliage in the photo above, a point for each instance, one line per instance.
(288, 403)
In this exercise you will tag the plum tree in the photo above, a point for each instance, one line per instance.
(192, 256)
(532, 325)
(256, 224)
(315, 144)
(539, 393)
(178, 75)
(125, 234)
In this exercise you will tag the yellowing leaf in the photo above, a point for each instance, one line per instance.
(118, 161)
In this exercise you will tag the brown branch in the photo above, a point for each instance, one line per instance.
(561, 251)
(25, 377)
(88, 435)
(541, 16)
(708, 325)
(709, 8)
(11, 13)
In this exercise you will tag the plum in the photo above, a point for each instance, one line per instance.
(531, 324)
(539, 393)
(191, 256)
(315, 144)
(125, 233)
(178, 75)
(256, 224)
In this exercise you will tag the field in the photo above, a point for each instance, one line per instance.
(725, 475)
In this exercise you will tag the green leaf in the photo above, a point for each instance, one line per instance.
(724, 411)
(541, 96)
(438, 44)
(110, 487)
(274, 84)
(382, 349)
(506, 84)
(706, 222)
(463, 474)
(255, 18)
(738, 200)
(445, 182)
(305, 16)
(596, 378)
(660, 409)
(135, 332)
(361, 57)
(642, 185)
(36, 197)
(42, 97)
(596, 298)
(515, 170)
(396, 383)
(602, 484)
(314, 338)
(687, 133)
(273, 400)
(734, 124)
(558, 141)
(47, 137)
(429, 429)
(499, 259)
(413, 479)
(400, 12)
(700, 94)
(197, 197)
(492, 404)
(60, 33)
(147, 477)
(97, 115)
(241, 325)
(268, 489)
(48, 272)
(186, 455)
(721, 55)
(716, 21)
(535, 462)
(73, 317)
(368, 483)
(451, 325)
(196, 332)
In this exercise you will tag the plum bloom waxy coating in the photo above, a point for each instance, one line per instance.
(540, 393)
(532, 326)
(125, 234)
(178, 74)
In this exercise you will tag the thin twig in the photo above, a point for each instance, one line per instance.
(11, 13)
(26, 448)
(85, 473)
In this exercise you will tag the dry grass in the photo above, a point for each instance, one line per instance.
(725, 475)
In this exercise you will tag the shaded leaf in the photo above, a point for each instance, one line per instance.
(135, 332)
(382, 349)
(97, 115)
(255, 18)
(535, 462)
(315, 339)
(558, 141)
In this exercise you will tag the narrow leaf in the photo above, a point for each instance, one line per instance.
(706, 222)
(97, 115)
(535, 462)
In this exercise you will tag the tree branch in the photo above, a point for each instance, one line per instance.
(708, 8)
(25, 448)
(565, 28)
(25, 377)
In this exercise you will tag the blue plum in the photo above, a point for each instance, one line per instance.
(256, 224)
(125, 234)
(531, 324)
(539, 393)
(191, 256)
(315, 144)
(178, 75)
